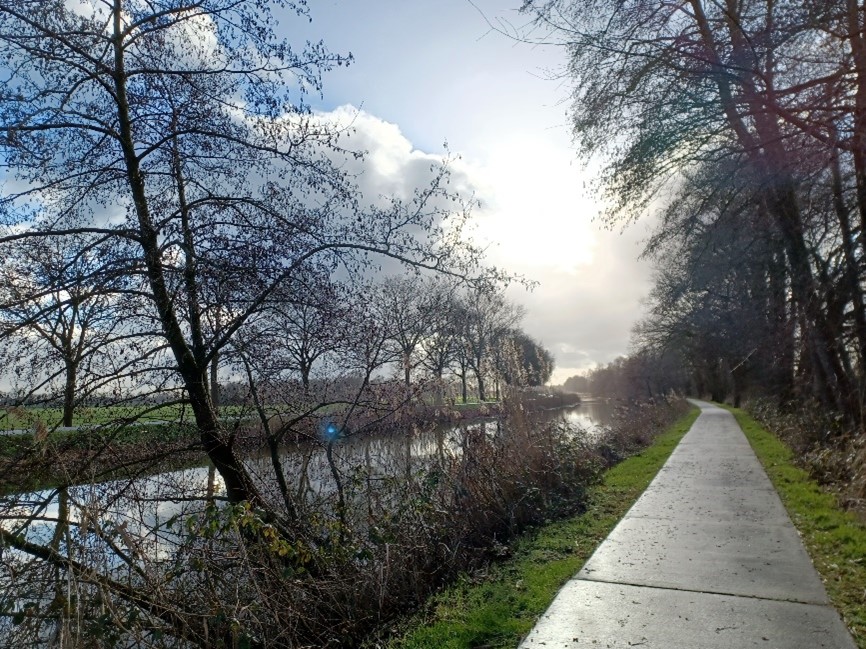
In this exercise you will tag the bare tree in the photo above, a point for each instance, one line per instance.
(307, 325)
(62, 315)
(176, 134)
(440, 348)
(487, 315)
(412, 305)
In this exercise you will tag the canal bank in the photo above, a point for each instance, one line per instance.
(100, 452)
(498, 606)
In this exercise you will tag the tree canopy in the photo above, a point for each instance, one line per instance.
(741, 124)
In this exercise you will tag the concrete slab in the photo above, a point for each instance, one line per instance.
(695, 504)
(750, 477)
(734, 558)
(594, 614)
(707, 557)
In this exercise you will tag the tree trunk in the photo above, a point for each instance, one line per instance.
(781, 325)
(852, 279)
(305, 378)
(69, 392)
(857, 41)
(238, 484)
(63, 601)
(214, 382)
(833, 384)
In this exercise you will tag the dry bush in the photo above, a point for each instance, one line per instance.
(413, 532)
(834, 454)
(210, 574)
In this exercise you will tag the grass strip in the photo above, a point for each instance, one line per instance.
(12, 446)
(499, 608)
(834, 538)
(26, 417)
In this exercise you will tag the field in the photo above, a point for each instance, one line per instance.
(31, 418)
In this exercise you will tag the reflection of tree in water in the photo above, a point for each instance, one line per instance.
(149, 547)
(84, 545)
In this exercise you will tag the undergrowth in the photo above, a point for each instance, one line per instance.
(497, 606)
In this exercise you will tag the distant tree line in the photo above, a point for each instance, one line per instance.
(639, 377)
(426, 332)
(742, 126)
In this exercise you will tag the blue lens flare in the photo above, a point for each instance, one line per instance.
(330, 431)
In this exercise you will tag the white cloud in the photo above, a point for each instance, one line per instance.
(392, 166)
(538, 222)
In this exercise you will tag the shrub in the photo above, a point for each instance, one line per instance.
(832, 453)
(168, 563)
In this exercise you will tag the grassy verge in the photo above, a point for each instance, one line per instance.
(27, 417)
(12, 446)
(76, 457)
(499, 608)
(836, 541)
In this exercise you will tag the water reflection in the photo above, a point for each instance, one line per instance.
(129, 530)
(133, 518)
(590, 415)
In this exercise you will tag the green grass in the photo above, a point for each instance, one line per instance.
(84, 416)
(17, 474)
(836, 541)
(13, 445)
(27, 417)
(499, 608)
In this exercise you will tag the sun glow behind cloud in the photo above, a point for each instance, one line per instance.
(537, 215)
(536, 220)
(533, 213)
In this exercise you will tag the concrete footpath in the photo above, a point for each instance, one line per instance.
(706, 558)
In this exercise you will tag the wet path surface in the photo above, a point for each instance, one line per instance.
(706, 558)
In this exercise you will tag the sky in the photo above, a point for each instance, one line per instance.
(426, 72)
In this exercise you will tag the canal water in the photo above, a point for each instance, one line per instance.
(145, 508)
